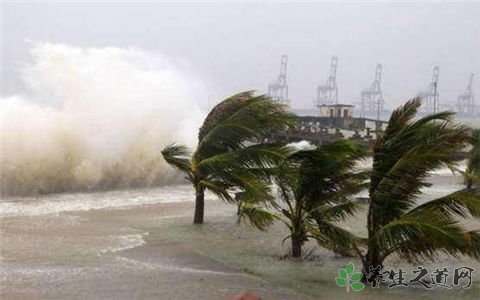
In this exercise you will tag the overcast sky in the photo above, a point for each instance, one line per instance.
(238, 46)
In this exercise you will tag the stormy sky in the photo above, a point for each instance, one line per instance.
(237, 46)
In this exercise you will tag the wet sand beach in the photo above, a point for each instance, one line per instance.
(117, 254)
(140, 244)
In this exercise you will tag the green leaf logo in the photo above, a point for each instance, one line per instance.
(349, 279)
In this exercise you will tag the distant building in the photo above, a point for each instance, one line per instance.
(336, 111)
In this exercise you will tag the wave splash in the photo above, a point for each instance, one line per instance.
(94, 118)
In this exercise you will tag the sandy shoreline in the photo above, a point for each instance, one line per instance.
(66, 261)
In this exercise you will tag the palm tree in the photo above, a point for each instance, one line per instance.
(472, 172)
(403, 158)
(230, 155)
(314, 186)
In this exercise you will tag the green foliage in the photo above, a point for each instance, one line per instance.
(314, 185)
(314, 188)
(177, 156)
(256, 216)
(404, 157)
(230, 156)
(472, 172)
(319, 191)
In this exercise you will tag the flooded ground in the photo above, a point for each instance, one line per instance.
(141, 244)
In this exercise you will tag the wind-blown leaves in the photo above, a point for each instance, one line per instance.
(331, 236)
(404, 157)
(239, 119)
(419, 237)
(472, 172)
(257, 216)
(231, 156)
(177, 156)
(257, 159)
(315, 186)
(461, 203)
(471, 246)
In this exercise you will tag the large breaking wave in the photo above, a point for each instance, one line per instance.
(94, 118)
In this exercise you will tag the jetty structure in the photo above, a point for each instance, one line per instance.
(331, 120)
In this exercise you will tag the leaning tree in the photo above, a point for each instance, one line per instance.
(397, 223)
(232, 156)
(314, 193)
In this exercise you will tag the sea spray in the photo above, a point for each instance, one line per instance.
(95, 118)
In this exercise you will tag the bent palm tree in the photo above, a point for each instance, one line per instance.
(230, 156)
(314, 186)
(403, 158)
(472, 172)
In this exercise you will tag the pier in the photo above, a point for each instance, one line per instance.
(324, 130)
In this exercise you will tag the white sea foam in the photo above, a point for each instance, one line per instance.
(54, 204)
(95, 118)
(170, 267)
(125, 242)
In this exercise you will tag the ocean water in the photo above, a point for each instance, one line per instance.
(76, 130)
(141, 244)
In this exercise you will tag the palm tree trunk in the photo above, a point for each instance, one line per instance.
(469, 184)
(297, 242)
(372, 268)
(199, 205)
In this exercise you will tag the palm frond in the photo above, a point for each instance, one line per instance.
(314, 186)
(258, 159)
(256, 216)
(333, 212)
(239, 119)
(461, 203)
(420, 237)
(177, 156)
(404, 160)
(472, 244)
(251, 186)
(356, 183)
(333, 237)
(328, 174)
(222, 111)
(472, 172)
(218, 188)
(403, 157)
(401, 117)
